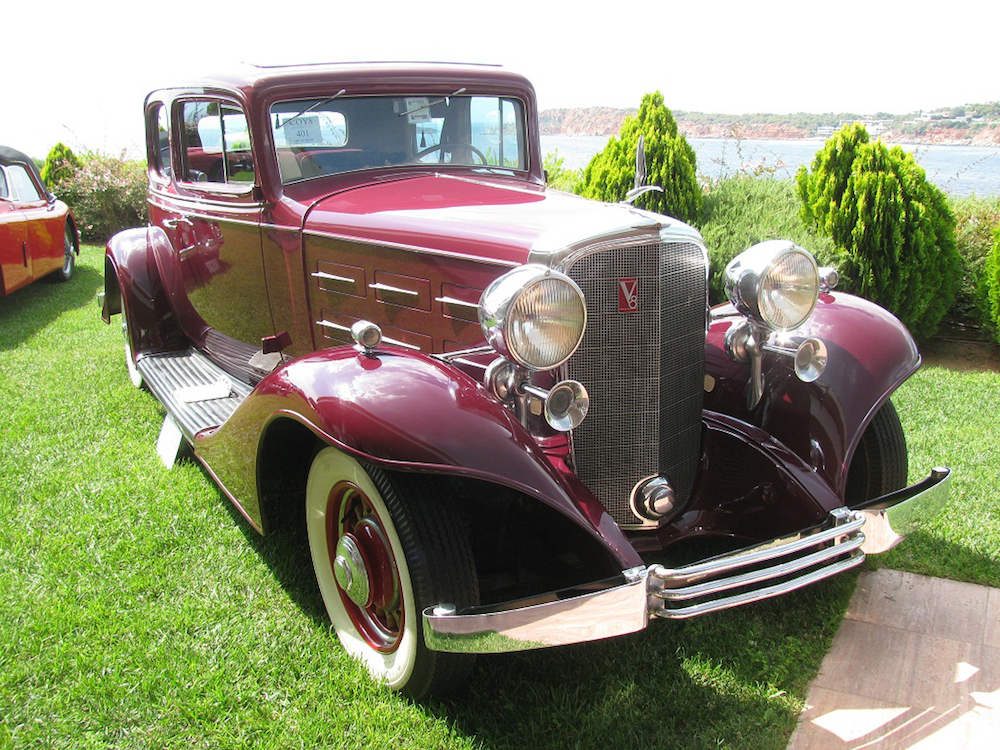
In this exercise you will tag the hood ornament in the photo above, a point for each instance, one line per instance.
(640, 174)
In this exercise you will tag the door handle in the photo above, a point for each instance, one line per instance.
(175, 223)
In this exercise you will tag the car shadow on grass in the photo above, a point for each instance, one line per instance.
(30, 310)
(715, 682)
(285, 551)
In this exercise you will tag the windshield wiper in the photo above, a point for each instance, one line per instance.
(431, 104)
(311, 107)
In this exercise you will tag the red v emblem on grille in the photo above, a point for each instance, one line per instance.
(628, 295)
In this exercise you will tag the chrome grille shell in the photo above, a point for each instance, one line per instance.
(644, 370)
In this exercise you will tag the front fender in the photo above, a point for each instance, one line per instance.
(403, 411)
(132, 285)
(870, 354)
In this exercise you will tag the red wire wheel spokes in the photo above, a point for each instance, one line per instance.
(364, 567)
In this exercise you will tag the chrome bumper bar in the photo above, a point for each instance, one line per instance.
(626, 604)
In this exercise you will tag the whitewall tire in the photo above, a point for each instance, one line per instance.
(383, 549)
(133, 372)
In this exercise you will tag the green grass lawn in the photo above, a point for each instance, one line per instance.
(139, 610)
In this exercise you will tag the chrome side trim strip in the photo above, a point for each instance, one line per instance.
(397, 342)
(367, 242)
(453, 356)
(457, 302)
(385, 339)
(332, 277)
(395, 289)
(201, 207)
(335, 326)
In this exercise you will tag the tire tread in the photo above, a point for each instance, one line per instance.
(441, 565)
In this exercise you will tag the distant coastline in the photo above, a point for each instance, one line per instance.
(939, 128)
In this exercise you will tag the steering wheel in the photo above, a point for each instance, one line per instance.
(450, 146)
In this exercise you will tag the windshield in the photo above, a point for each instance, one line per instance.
(319, 136)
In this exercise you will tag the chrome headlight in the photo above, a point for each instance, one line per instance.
(775, 283)
(533, 315)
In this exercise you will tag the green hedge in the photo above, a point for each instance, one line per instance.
(741, 211)
(991, 283)
(976, 221)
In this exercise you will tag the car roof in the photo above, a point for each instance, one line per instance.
(257, 82)
(9, 156)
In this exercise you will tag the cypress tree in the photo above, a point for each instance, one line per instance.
(60, 163)
(670, 163)
(895, 227)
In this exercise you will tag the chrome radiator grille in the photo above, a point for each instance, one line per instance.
(644, 370)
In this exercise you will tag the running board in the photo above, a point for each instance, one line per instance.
(196, 393)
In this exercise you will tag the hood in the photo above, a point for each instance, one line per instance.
(495, 219)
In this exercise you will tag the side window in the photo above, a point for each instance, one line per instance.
(22, 188)
(162, 124)
(216, 143)
(4, 191)
(496, 131)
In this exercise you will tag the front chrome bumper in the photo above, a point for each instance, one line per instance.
(626, 603)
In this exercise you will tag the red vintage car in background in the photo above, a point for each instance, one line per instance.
(38, 234)
(508, 413)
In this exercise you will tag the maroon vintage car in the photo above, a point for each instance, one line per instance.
(508, 413)
(38, 234)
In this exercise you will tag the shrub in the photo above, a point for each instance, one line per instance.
(107, 194)
(991, 283)
(670, 163)
(557, 176)
(742, 210)
(895, 227)
(976, 220)
(60, 165)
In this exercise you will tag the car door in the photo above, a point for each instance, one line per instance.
(207, 205)
(14, 264)
(31, 243)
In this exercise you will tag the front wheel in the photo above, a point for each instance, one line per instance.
(880, 462)
(133, 372)
(383, 550)
(69, 255)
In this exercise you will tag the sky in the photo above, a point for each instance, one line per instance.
(78, 72)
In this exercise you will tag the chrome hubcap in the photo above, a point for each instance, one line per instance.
(350, 570)
(364, 567)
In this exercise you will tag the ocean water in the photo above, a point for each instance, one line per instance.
(958, 170)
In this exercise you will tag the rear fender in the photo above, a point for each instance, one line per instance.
(132, 285)
(870, 354)
(403, 411)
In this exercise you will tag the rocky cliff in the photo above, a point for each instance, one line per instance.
(608, 121)
(583, 121)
